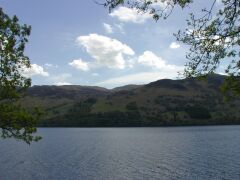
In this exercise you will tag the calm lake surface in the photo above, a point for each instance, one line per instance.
(211, 152)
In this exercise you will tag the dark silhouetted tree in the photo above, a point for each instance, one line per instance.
(15, 121)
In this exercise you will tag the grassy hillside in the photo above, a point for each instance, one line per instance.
(161, 103)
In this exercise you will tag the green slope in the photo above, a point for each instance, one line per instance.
(160, 103)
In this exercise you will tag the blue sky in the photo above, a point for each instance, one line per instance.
(80, 42)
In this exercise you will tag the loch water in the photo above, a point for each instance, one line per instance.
(176, 153)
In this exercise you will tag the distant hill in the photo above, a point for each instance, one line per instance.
(127, 87)
(161, 103)
(66, 91)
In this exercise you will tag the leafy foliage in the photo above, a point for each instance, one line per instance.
(214, 39)
(198, 112)
(149, 6)
(15, 121)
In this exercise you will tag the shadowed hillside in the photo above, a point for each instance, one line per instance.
(160, 103)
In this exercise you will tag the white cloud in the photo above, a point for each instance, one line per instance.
(79, 64)
(120, 28)
(49, 65)
(125, 14)
(95, 74)
(174, 45)
(159, 4)
(131, 62)
(138, 78)
(106, 51)
(33, 71)
(219, 2)
(150, 59)
(108, 28)
(61, 79)
(62, 83)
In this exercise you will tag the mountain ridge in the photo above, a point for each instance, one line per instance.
(160, 103)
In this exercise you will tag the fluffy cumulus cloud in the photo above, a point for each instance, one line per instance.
(174, 45)
(106, 51)
(79, 64)
(148, 58)
(125, 14)
(161, 70)
(108, 28)
(34, 70)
